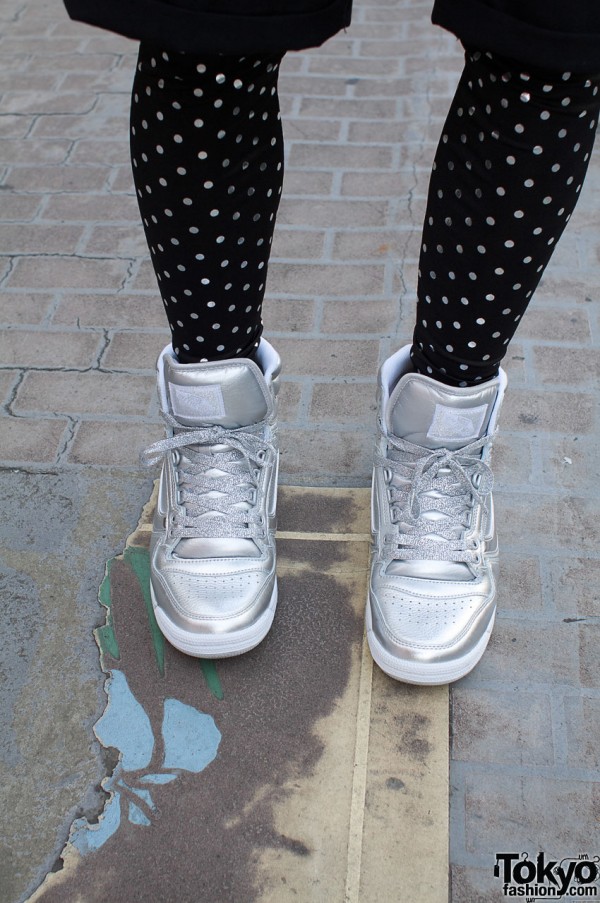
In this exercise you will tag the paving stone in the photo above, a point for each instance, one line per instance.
(575, 586)
(344, 403)
(589, 637)
(288, 401)
(382, 87)
(519, 583)
(19, 207)
(367, 244)
(522, 724)
(13, 126)
(319, 357)
(562, 523)
(134, 351)
(311, 85)
(117, 241)
(329, 279)
(106, 311)
(375, 184)
(39, 239)
(85, 393)
(18, 307)
(325, 457)
(332, 213)
(310, 130)
(58, 178)
(8, 380)
(122, 180)
(522, 653)
(106, 151)
(23, 441)
(296, 243)
(571, 463)
(545, 323)
(368, 316)
(470, 885)
(334, 156)
(288, 315)
(22, 348)
(67, 272)
(582, 717)
(522, 810)
(567, 366)
(110, 208)
(114, 444)
(535, 410)
(50, 151)
(514, 366)
(512, 461)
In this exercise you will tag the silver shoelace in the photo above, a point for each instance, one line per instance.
(441, 482)
(236, 456)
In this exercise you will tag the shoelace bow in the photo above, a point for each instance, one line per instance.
(239, 470)
(446, 482)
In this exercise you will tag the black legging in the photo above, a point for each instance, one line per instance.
(207, 155)
(507, 174)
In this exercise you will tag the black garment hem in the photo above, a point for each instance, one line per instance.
(174, 27)
(478, 25)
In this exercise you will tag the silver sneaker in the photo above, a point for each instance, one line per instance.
(431, 604)
(212, 553)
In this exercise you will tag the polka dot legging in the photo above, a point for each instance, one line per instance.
(207, 155)
(507, 174)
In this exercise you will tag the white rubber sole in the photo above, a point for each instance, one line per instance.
(216, 645)
(430, 674)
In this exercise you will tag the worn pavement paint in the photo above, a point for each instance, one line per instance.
(190, 740)
(139, 561)
(58, 531)
(279, 796)
(273, 699)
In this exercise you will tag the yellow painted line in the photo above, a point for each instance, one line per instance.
(324, 537)
(359, 778)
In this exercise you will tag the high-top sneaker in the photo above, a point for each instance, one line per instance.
(431, 604)
(212, 553)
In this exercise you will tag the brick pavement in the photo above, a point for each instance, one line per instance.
(82, 325)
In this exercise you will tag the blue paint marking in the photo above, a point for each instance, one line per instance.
(158, 778)
(125, 725)
(191, 741)
(191, 738)
(137, 817)
(89, 838)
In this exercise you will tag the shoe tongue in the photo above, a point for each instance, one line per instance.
(230, 394)
(433, 415)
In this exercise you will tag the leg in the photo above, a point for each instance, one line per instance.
(207, 154)
(207, 162)
(507, 174)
